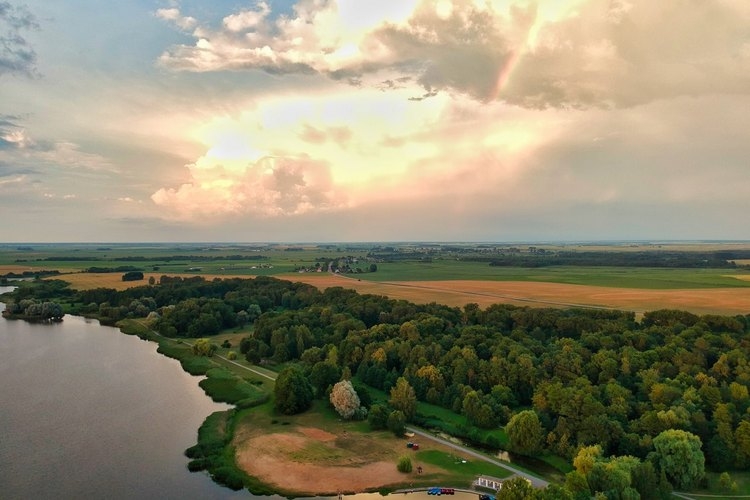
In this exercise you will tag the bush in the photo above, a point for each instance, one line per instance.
(397, 423)
(404, 464)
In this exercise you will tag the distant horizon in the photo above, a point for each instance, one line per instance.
(384, 242)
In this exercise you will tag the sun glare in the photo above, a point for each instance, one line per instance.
(230, 142)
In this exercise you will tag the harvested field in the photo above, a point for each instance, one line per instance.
(485, 293)
(12, 268)
(87, 281)
(522, 293)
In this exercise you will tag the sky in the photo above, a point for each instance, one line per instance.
(374, 120)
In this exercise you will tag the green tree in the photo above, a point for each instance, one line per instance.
(403, 398)
(204, 347)
(584, 460)
(322, 376)
(515, 488)
(678, 453)
(378, 417)
(293, 393)
(397, 422)
(576, 483)
(553, 492)
(525, 432)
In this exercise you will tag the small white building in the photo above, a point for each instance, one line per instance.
(489, 482)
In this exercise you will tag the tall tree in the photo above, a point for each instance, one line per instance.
(403, 398)
(292, 391)
(678, 453)
(525, 432)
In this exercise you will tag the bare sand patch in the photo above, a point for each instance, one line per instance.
(318, 434)
(313, 461)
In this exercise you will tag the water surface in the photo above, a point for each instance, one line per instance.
(88, 412)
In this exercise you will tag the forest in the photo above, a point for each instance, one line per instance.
(599, 388)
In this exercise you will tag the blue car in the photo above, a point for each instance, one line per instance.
(433, 491)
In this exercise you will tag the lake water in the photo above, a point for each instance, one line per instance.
(88, 412)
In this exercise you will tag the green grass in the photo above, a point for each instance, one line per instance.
(464, 469)
(224, 386)
(742, 478)
(625, 277)
(213, 454)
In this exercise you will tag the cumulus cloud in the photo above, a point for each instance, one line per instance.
(173, 15)
(17, 56)
(544, 54)
(270, 187)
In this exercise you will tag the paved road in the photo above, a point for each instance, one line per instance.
(535, 481)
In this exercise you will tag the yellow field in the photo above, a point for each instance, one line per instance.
(87, 281)
(485, 293)
(522, 293)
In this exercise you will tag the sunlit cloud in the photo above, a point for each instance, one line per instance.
(268, 188)
(426, 118)
(542, 54)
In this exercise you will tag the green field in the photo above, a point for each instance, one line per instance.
(625, 277)
(285, 260)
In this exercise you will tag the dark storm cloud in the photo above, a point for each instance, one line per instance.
(17, 56)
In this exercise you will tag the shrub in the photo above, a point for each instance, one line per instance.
(404, 464)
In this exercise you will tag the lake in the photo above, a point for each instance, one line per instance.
(88, 412)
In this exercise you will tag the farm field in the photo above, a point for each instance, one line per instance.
(441, 279)
(621, 277)
(461, 292)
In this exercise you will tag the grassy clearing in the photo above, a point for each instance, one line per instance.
(320, 444)
(461, 467)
